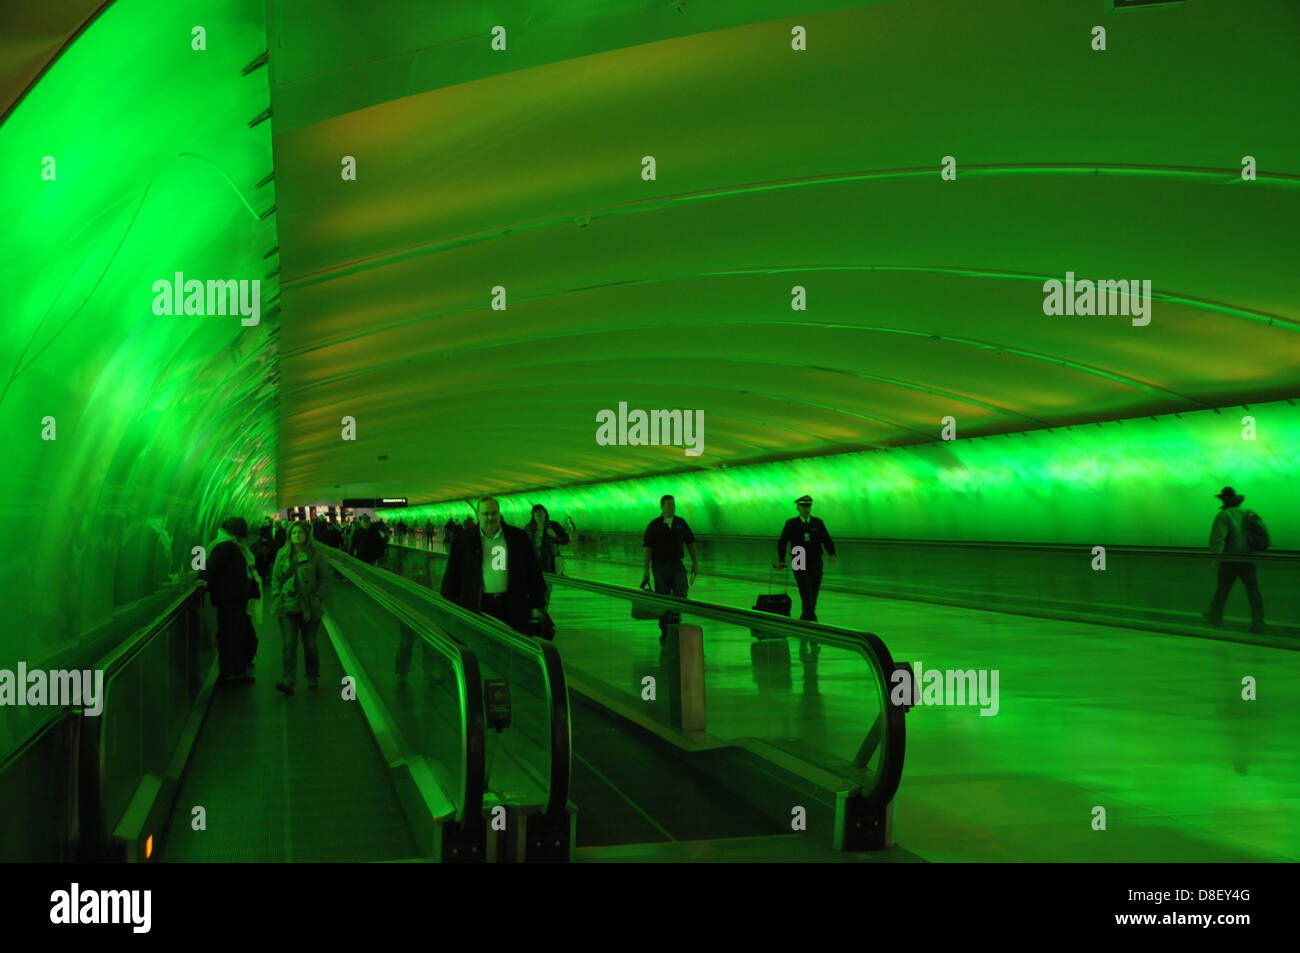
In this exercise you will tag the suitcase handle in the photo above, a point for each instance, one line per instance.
(785, 582)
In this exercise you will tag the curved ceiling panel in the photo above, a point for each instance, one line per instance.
(775, 169)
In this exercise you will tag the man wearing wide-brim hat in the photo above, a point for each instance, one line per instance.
(1229, 534)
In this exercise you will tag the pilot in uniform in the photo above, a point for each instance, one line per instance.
(809, 532)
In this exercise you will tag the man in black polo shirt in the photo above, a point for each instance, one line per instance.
(808, 532)
(663, 542)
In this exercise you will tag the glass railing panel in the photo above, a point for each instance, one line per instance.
(80, 652)
(518, 754)
(147, 698)
(817, 697)
(419, 683)
(821, 696)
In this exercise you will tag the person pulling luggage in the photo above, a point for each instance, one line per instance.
(805, 535)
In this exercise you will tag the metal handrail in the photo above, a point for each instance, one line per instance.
(111, 663)
(40, 731)
(120, 656)
(1264, 555)
(543, 653)
(463, 662)
(872, 648)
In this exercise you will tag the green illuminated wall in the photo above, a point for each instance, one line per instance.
(1137, 482)
(163, 423)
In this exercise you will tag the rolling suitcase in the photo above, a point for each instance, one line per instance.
(778, 603)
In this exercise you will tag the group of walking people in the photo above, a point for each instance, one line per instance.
(804, 537)
(498, 569)
(296, 582)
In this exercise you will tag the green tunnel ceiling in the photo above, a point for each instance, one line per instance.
(522, 169)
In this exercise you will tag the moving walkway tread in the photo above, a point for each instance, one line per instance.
(630, 788)
(295, 779)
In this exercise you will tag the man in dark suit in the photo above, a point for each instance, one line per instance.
(493, 569)
(805, 535)
(368, 544)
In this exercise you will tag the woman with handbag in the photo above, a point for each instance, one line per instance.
(546, 536)
(299, 583)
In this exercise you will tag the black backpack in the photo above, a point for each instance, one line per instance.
(1256, 532)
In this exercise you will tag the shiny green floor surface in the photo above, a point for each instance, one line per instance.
(1150, 729)
(630, 791)
(287, 779)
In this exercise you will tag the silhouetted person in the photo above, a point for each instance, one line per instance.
(663, 542)
(546, 535)
(1229, 535)
(299, 583)
(494, 570)
(448, 532)
(808, 532)
(229, 575)
(368, 543)
(263, 550)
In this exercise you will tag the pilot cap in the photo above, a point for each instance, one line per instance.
(804, 499)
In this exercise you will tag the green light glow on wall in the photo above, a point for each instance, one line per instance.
(164, 424)
(1139, 482)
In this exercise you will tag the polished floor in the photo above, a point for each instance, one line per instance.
(1109, 744)
(286, 779)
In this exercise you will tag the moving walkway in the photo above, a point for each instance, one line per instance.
(441, 734)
